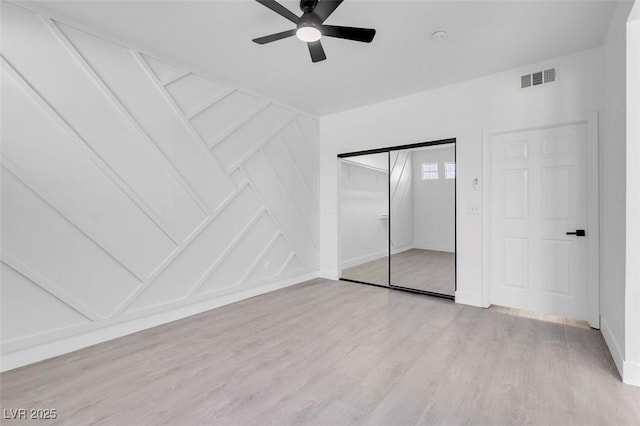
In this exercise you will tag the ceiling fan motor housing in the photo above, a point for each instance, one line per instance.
(309, 19)
(308, 5)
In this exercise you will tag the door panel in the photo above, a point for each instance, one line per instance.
(538, 193)
(364, 219)
(516, 253)
(422, 182)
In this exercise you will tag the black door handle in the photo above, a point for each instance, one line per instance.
(578, 233)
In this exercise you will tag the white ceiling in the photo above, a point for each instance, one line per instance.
(214, 38)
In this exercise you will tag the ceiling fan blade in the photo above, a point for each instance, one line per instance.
(316, 51)
(279, 9)
(274, 37)
(350, 33)
(324, 8)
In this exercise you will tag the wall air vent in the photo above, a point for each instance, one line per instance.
(539, 78)
(549, 75)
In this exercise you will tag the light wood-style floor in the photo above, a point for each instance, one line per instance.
(334, 353)
(427, 270)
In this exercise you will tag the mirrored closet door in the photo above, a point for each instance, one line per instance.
(397, 220)
(423, 219)
(364, 218)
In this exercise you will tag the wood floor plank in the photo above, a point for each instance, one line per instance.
(333, 353)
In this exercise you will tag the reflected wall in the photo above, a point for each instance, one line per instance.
(364, 219)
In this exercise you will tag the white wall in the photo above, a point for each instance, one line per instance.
(364, 206)
(433, 202)
(632, 290)
(364, 201)
(462, 111)
(612, 186)
(135, 192)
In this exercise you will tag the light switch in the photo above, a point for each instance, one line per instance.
(476, 184)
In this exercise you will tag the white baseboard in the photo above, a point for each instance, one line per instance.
(434, 248)
(29, 355)
(614, 346)
(631, 373)
(402, 249)
(363, 259)
(471, 299)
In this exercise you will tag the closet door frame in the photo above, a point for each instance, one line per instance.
(388, 150)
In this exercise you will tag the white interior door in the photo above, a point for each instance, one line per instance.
(538, 192)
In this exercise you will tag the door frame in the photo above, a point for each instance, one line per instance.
(593, 285)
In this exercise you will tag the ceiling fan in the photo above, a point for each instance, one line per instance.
(310, 26)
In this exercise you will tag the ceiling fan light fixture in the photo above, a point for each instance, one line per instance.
(308, 34)
(310, 27)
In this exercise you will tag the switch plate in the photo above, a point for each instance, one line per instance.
(474, 208)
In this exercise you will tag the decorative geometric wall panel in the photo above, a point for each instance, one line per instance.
(243, 256)
(273, 261)
(202, 253)
(119, 68)
(282, 208)
(245, 140)
(309, 128)
(46, 313)
(49, 246)
(239, 178)
(304, 154)
(55, 74)
(282, 163)
(162, 70)
(292, 265)
(225, 115)
(53, 159)
(130, 185)
(192, 91)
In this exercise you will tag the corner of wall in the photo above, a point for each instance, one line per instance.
(632, 288)
(614, 346)
(613, 181)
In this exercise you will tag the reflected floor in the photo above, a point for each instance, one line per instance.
(374, 272)
(427, 270)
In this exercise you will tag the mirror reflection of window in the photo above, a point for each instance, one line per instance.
(449, 170)
(429, 171)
